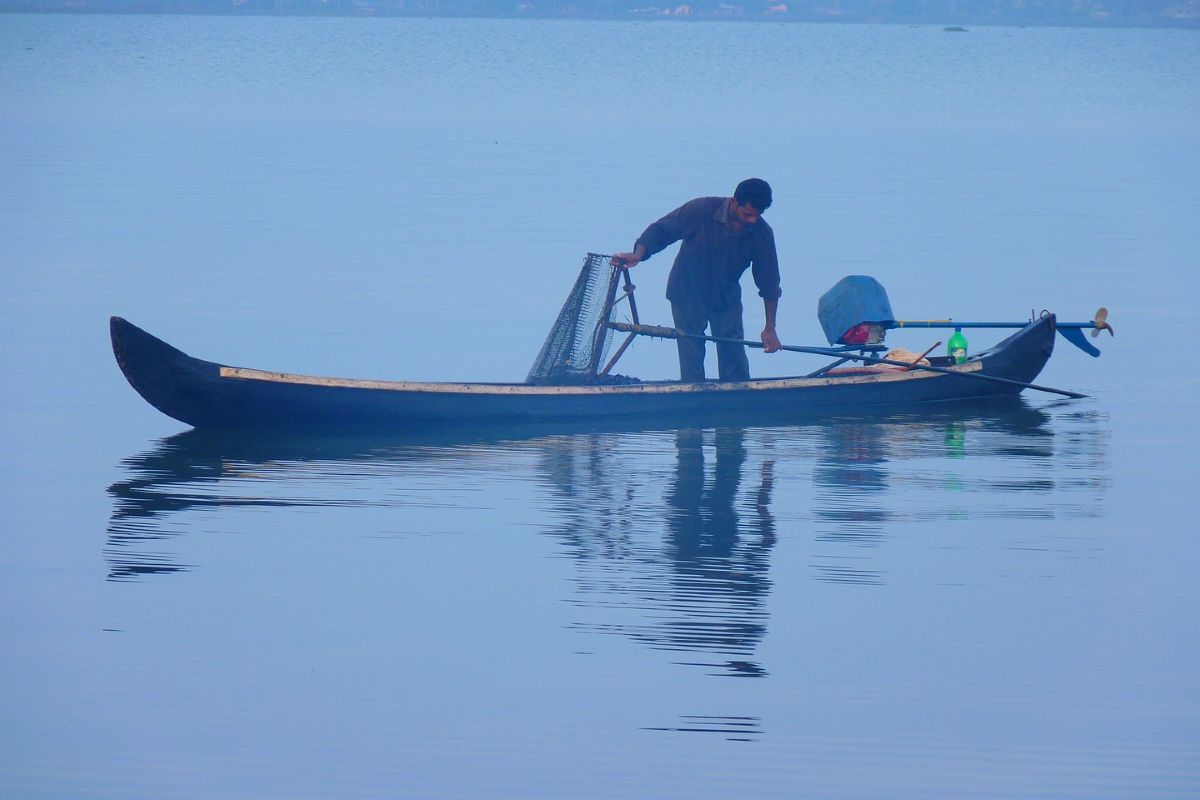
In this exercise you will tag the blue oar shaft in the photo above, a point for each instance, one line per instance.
(947, 323)
(662, 332)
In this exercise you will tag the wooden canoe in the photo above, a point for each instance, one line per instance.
(206, 394)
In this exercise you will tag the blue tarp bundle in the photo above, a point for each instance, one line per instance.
(853, 300)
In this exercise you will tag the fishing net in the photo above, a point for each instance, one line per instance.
(575, 349)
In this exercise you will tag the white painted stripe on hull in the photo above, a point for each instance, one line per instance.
(764, 384)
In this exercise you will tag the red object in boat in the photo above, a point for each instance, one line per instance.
(859, 334)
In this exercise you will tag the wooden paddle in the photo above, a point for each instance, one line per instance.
(663, 332)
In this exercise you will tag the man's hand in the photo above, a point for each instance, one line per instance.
(770, 341)
(626, 260)
(629, 260)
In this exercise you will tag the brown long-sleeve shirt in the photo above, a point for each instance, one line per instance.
(713, 255)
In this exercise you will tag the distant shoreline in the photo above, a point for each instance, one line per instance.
(1163, 14)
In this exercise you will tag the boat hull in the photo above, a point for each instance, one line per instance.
(207, 394)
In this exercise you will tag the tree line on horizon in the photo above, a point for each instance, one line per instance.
(1168, 13)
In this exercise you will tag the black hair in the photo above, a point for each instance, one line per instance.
(754, 191)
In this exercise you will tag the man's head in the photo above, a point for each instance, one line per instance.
(753, 197)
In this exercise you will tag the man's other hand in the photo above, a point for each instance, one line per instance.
(770, 341)
(626, 260)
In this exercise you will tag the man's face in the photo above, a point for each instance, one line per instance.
(747, 214)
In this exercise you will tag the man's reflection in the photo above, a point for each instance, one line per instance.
(692, 579)
(719, 564)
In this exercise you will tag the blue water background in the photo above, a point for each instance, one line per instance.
(931, 605)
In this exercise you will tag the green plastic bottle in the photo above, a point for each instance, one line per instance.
(956, 348)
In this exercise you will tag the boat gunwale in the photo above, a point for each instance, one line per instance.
(647, 387)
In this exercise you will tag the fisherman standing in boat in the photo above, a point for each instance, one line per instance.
(722, 238)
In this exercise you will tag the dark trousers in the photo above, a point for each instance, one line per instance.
(690, 317)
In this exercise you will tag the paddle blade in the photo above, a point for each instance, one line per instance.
(1100, 321)
(1075, 336)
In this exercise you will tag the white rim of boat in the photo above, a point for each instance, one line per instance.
(241, 373)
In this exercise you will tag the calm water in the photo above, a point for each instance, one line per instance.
(988, 602)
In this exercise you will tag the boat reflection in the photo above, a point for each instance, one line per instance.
(1021, 463)
(671, 533)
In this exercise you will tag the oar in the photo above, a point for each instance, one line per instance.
(663, 332)
(1071, 331)
(927, 352)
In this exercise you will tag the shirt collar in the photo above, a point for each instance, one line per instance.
(722, 216)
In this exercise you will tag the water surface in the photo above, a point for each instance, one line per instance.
(966, 602)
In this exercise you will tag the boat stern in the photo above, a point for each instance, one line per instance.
(176, 384)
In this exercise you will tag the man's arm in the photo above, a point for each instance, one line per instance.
(766, 277)
(661, 233)
(769, 339)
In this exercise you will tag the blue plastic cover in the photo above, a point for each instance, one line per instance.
(853, 300)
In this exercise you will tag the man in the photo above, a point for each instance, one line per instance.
(722, 238)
